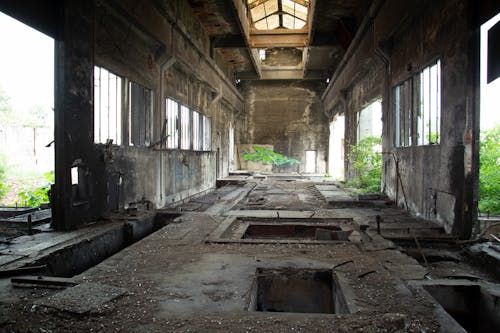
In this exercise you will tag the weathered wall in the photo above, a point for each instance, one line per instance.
(288, 115)
(401, 39)
(162, 46)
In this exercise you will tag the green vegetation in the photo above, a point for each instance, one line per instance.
(267, 156)
(367, 162)
(489, 173)
(34, 197)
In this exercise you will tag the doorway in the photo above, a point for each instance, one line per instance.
(26, 114)
(336, 148)
(489, 145)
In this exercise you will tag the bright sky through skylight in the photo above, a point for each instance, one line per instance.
(490, 93)
(26, 65)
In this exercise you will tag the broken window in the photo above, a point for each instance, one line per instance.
(107, 106)
(207, 134)
(197, 135)
(172, 125)
(185, 127)
(140, 108)
(417, 107)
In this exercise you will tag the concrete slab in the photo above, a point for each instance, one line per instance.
(86, 298)
(271, 213)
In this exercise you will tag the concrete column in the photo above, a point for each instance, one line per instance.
(73, 107)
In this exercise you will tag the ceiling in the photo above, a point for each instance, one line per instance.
(281, 39)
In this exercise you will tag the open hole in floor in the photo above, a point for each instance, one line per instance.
(297, 290)
(295, 231)
(473, 307)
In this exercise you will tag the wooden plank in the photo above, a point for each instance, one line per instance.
(42, 282)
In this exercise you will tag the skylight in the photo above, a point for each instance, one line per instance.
(274, 14)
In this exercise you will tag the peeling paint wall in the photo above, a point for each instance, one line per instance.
(288, 115)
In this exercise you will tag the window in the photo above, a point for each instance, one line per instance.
(172, 126)
(185, 128)
(140, 107)
(197, 135)
(107, 106)
(417, 107)
(207, 134)
(272, 14)
(429, 112)
(370, 121)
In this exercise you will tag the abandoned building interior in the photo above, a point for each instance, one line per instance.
(162, 220)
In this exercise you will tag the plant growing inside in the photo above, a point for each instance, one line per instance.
(366, 159)
(268, 157)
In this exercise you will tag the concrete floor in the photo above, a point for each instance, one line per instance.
(198, 274)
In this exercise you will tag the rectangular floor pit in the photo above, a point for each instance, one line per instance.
(297, 291)
(472, 306)
(295, 231)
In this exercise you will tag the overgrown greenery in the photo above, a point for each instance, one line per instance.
(34, 197)
(267, 156)
(489, 173)
(367, 161)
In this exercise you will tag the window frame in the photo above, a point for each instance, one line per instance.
(409, 100)
(115, 135)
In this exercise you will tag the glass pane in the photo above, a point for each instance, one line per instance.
(273, 22)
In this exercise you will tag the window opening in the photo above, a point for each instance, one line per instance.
(274, 14)
(417, 108)
(207, 134)
(185, 128)
(140, 108)
(231, 148)
(197, 135)
(369, 121)
(172, 117)
(107, 106)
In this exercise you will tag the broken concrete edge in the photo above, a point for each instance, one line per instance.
(446, 321)
(88, 247)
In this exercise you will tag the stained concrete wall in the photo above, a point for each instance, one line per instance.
(162, 46)
(398, 40)
(288, 115)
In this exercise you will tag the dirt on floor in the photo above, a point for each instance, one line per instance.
(177, 281)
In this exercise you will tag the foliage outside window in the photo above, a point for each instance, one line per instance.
(417, 107)
(489, 173)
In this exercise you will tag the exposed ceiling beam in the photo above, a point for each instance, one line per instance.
(244, 25)
(260, 2)
(290, 74)
(228, 41)
(273, 40)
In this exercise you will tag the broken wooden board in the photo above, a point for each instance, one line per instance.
(50, 282)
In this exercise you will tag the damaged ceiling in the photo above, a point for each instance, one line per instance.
(281, 39)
